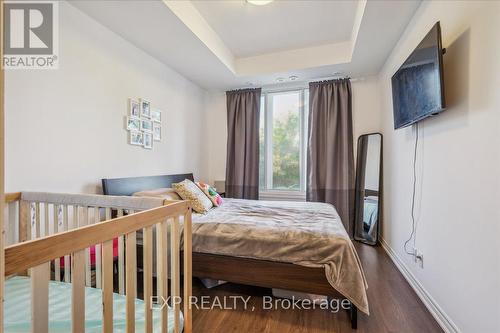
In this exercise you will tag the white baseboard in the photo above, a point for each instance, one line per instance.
(436, 311)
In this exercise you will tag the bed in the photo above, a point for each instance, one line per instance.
(265, 240)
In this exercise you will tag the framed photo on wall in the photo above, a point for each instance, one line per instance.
(157, 131)
(133, 124)
(146, 125)
(156, 115)
(136, 138)
(134, 108)
(148, 140)
(145, 108)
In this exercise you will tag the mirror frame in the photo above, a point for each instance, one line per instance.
(357, 190)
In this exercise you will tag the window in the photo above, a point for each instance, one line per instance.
(283, 137)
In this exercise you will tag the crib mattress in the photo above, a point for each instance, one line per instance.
(17, 309)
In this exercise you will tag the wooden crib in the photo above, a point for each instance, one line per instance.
(43, 228)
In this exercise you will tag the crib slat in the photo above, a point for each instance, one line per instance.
(130, 211)
(65, 217)
(107, 217)
(57, 264)
(37, 220)
(46, 219)
(107, 286)
(148, 277)
(78, 292)
(121, 260)
(40, 298)
(130, 256)
(162, 281)
(175, 276)
(156, 256)
(98, 272)
(13, 223)
(67, 266)
(188, 281)
(24, 221)
(73, 223)
(108, 213)
(85, 220)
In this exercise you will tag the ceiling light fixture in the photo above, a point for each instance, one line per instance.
(293, 78)
(259, 2)
(280, 79)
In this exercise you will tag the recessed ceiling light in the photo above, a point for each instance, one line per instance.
(280, 79)
(260, 2)
(293, 78)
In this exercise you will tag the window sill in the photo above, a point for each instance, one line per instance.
(282, 195)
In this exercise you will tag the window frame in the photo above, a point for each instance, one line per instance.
(267, 108)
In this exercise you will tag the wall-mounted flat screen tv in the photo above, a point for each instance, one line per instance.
(418, 85)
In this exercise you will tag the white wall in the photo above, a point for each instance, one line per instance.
(215, 108)
(366, 119)
(366, 107)
(458, 168)
(65, 127)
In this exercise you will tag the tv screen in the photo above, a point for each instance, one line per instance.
(417, 86)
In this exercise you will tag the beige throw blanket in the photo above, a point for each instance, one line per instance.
(303, 233)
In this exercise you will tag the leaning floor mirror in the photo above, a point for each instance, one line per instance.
(368, 188)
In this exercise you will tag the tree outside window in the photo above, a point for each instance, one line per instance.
(282, 141)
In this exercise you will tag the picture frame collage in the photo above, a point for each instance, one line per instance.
(143, 123)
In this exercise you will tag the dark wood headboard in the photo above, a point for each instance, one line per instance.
(130, 185)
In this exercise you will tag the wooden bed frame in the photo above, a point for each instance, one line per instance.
(261, 273)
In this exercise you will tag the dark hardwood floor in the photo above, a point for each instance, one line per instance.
(394, 306)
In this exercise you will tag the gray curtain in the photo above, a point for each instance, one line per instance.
(242, 163)
(330, 157)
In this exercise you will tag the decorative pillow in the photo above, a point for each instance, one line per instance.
(163, 193)
(211, 193)
(189, 191)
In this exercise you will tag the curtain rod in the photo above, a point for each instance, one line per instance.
(326, 78)
(242, 90)
(290, 86)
